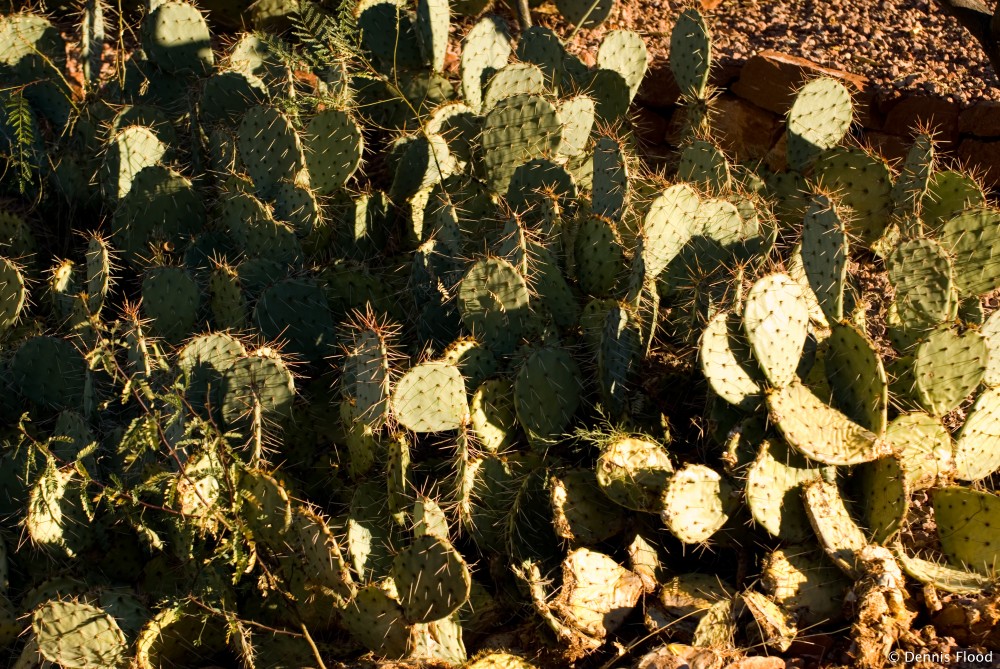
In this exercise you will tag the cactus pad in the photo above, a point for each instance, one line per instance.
(948, 367)
(432, 579)
(776, 320)
(696, 503)
(819, 431)
(966, 523)
(728, 364)
(977, 447)
(78, 635)
(431, 398)
(772, 491)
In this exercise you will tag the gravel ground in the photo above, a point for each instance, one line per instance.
(898, 44)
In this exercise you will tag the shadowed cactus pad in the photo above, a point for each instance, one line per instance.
(547, 394)
(633, 472)
(77, 635)
(432, 579)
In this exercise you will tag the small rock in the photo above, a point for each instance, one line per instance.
(757, 662)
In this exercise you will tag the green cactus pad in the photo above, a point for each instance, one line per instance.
(296, 312)
(804, 581)
(970, 237)
(585, 14)
(924, 446)
(49, 372)
(578, 513)
(494, 418)
(599, 255)
(175, 35)
(773, 484)
(633, 473)
(920, 271)
(704, 164)
(485, 50)
(819, 431)
(432, 579)
(250, 224)
(862, 182)
(624, 52)
(610, 184)
(948, 367)
(511, 80)
(516, 130)
(226, 96)
(949, 194)
(162, 207)
(376, 620)
(818, 120)
(203, 361)
(885, 497)
(577, 115)
(365, 378)
(131, 150)
(670, 223)
(78, 635)
(258, 378)
(776, 321)
(977, 447)
(858, 379)
(966, 523)
(839, 536)
(493, 301)
(170, 299)
(334, 146)
(691, 46)
(269, 147)
(727, 363)
(226, 299)
(547, 393)
(912, 183)
(431, 398)
(941, 576)
(12, 294)
(696, 503)
(825, 254)
(432, 31)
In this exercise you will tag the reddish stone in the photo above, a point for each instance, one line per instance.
(757, 662)
(707, 5)
(650, 125)
(983, 158)
(744, 130)
(981, 119)
(659, 89)
(891, 147)
(911, 113)
(771, 78)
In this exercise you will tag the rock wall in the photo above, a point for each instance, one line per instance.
(755, 95)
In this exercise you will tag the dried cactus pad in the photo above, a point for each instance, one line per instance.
(432, 579)
(696, 503)
(431, 398)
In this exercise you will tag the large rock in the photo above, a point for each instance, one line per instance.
(983, 157)
(910, 114)
(743, 129)
(981, 119)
